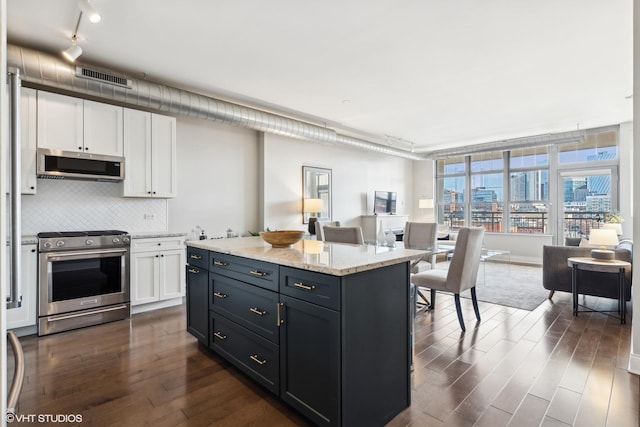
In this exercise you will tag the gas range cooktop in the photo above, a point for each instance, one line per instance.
(59, 234)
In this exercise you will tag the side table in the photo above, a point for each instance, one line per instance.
(590, 264)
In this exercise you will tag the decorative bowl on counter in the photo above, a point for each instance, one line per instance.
(281, 238)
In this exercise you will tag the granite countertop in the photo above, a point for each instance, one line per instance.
(152, 234)
(324, 257)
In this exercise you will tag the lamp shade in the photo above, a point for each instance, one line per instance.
(312, 206)
(603, 237)
(425, 203)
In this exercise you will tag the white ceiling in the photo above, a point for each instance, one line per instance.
(437, 73)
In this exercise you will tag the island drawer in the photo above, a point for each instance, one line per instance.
(254, 355)
(250, 306)
(317, 288)
(198, 257)
(259, 273)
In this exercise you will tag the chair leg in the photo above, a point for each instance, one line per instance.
(551, 294)
(474, 300)
(433, 299)
(459, 311)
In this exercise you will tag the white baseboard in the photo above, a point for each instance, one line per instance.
(142, 308)
(634, 364)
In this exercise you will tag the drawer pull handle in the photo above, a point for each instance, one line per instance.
(194, 270)
(219, 335)
(258, 273)
(303, 286)
(220, 295)
(194, 256)
(220, 263)
(257, 311)
(279, 313)
(255, 358)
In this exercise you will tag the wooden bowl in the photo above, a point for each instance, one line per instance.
(282, 238)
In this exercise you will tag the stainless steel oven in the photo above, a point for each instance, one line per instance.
(83, 279)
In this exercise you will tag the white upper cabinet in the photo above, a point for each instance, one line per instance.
(103, 129)
(28, 127)
(150, 155)
(73, 124)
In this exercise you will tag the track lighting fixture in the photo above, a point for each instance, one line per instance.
(87, 8)
(74, 51)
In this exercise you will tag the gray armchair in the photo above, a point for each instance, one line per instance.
(556, 274)
(462, 273)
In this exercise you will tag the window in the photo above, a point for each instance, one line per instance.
(597, 146)
(529, 190)
(450, 182)
(487, 200)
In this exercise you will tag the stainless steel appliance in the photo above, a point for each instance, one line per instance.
(58, 164)
(83, 279)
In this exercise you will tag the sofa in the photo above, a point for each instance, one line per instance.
(556, 274)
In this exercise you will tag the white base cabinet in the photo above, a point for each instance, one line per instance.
(26, 315)
(157, 269)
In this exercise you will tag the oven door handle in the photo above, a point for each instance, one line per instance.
(84, 254)
(84, 313)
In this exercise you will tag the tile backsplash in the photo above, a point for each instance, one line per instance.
(67, 205)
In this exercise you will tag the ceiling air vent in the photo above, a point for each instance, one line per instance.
(103, 77)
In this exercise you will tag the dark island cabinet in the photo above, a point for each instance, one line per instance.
(198, 294)
(333, 347)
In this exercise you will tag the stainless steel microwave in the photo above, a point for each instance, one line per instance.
(58, 164)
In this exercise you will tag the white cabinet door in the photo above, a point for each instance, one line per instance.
(137, 149)
(26, 315)
(60, 122)
(103, 129)
(172, 277)
(163, 153)
(28, 127)
(144, 273)
(150, 155)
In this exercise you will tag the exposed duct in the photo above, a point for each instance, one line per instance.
(49, 71)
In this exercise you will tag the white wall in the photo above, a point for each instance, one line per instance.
(423, 187)
(217, 178)
(356, 174)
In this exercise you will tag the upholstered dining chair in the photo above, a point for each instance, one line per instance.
(421, 235)
(343, 234)
(320, 228)
(462, 272)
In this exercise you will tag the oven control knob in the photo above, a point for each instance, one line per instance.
(47, 244)
(89, 242)
(60, 243)
(125, 240)
(116, 240)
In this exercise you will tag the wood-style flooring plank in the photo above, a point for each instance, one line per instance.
(515, 368)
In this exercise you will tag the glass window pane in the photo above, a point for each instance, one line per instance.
(451, 214)
(595, 147)
(529, 185)
(528, 218)
(486, 161)
(529, 157)
(454, 165)
(486, 187)
(450, 189)
(487, 214)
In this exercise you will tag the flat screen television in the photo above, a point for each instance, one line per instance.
(384, 202)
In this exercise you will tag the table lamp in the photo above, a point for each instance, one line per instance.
(603, 237)
(312, 207)
(615, 226)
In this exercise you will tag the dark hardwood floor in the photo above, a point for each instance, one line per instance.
(520, 368)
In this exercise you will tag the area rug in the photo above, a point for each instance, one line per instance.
(510, 285)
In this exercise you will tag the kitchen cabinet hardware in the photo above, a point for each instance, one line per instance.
(220, 295)
(258, 273)
(259, 361)
(194, 271)
(303, 286)
(219, 335)
(220, 263)
(257, 311)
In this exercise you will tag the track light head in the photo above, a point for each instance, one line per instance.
(74, 51)
(87, 8)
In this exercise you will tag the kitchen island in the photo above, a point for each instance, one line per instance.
(325, 326)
